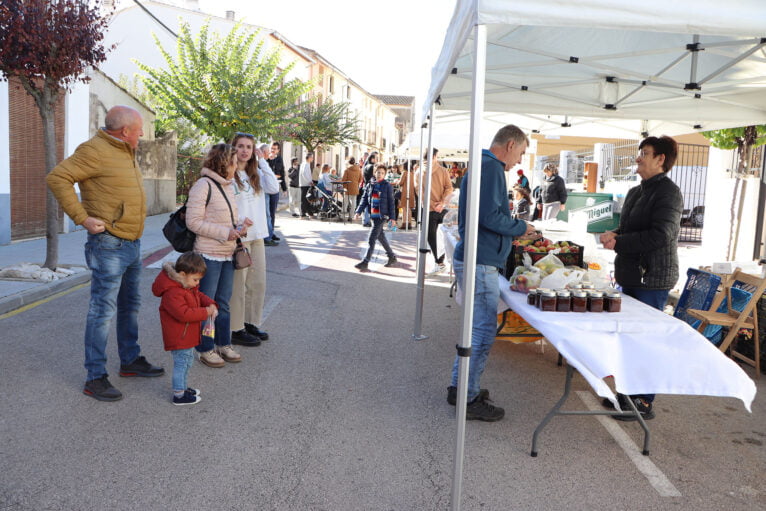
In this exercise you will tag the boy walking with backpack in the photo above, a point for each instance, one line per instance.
(378, 201)
(182, 310)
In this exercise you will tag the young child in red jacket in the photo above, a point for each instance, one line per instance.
(182, 310)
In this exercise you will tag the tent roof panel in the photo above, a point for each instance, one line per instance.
(591, 57)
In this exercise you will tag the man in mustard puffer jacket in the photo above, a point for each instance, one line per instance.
(112, 209)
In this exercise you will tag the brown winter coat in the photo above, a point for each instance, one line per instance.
(441, 188)
(353, 174)
(111, 186)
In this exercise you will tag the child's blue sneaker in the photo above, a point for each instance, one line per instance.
(186, 399)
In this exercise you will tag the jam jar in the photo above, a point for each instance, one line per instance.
(563, 300)
(613, 301)
(539, 294)
(588, 286)
(548, 300)
(532, 297)
(579, 300)
(595, 301)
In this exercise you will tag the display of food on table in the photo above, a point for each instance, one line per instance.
(555, 277)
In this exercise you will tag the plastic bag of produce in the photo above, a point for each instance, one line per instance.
(549, 264)
(563, 277)
(524, 279)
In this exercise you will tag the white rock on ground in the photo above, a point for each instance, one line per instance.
(29, 271)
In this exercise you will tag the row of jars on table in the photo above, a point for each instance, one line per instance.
(582, 298)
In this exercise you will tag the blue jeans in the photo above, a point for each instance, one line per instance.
(656, 298)
(485, 297)
(377, 234)
(115, 264)
(366, 216)
(272, 200)
(182, 362)
(217, 284)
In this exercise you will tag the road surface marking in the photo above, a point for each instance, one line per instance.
(44, 300)
(644, 465)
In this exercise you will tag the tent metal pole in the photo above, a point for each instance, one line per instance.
(416, 332)
(471, 230)
(425, 199)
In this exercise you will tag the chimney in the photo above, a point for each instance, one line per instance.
(192, 5)
(230, 15)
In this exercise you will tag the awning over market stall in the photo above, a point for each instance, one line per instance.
(700, 65)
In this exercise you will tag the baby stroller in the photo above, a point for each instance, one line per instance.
(328, 207)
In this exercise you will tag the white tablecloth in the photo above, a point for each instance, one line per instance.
(646, 350)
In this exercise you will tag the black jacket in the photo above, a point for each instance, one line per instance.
(278, 167)
(292, 175)
(554, 189)
(368, 172)
(647, 238)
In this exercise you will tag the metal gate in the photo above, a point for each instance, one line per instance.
(689, 173)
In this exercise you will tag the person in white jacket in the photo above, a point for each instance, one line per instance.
(305, 180)
(249, 288)
(270, 187)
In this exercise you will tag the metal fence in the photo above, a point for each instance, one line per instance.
(689, 173)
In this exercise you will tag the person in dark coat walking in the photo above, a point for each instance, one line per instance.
(646, 240)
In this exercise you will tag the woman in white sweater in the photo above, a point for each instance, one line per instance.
(249, 291)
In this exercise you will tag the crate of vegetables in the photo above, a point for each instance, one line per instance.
(570, 253)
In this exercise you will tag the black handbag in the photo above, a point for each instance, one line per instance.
(181, 238)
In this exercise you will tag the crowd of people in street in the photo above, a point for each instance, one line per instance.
(212, 299)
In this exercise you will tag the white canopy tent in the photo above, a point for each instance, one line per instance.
(699, 64)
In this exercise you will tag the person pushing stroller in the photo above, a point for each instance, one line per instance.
(378, 201)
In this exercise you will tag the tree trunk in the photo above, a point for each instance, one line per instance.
(52, 208)
(745, 155)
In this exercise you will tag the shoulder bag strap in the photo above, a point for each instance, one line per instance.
(231, 211)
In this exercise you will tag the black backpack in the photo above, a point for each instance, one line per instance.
(181, 238)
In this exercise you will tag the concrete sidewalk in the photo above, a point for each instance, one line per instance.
(15, 294)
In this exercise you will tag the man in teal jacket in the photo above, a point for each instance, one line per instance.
(496, 232)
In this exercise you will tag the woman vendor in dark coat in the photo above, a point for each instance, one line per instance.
(646, 241)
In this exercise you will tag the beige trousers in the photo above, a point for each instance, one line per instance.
(249, 292)
(295, 200)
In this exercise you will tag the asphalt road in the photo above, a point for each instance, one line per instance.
(341, 410)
